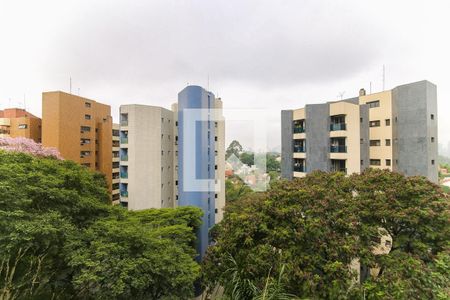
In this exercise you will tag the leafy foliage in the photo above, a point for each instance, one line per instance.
(317, 226)
(61, 239)
(234, 148)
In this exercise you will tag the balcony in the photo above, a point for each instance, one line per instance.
(124, 140)
(124, 193)
(124, 175)
(124, 157)
(299, 149)
(299, 129)
(301, 169)
(338, 149)
(338, 126)
(124, 123)
(343, 170)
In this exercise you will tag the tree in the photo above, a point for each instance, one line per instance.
(317, 226)
(60, 238)
(234, 148)
(236, 189)
(247, 158)
(29, 146)
(137, 255)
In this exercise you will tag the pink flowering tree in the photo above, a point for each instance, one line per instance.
(28, 146)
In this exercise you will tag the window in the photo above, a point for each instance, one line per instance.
(388, 162)
(85, 154)
(162, 152)
(374, 104)
(388, 122)
(87, 117)
(85, 141)
(85, 129)
(375, 143)
(86, 165)
(215, 167)
(176, 123)
(216, 210)
(23, 126)
(388, 142)
(432, 117)
(162, 120)
(176, 183)
(432, 162)
(361, 141)
(87, 104)
(215, 138)
(432, 139)
(375, 162)
(374, 123)
(362, 162)
(360, 120)
(215, 196)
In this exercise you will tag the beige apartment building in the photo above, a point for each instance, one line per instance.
(394, 129)
(80, 128)
(17, 122)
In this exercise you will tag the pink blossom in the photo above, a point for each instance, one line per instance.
(28, 146)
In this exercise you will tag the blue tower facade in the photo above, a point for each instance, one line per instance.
(196, 157)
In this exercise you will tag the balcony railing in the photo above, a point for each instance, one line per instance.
(299, 129)
(301, 169)
(338, 169)
(124, 175)
(300, 149)
(124, 193)
(124, 157)
(338, 126)
(338, 149)
(124, 140)
(124, 123)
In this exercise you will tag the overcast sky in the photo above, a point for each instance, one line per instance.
(258, 54)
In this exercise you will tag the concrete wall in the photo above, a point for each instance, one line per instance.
(286, 144)
(364, 135)
(413, 106)
(150, 163)
(317, 137)
(220, 161)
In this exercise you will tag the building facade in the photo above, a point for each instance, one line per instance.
(154, 142)
(115, 189)
(81, 129)
(394, 129)
(17, 122)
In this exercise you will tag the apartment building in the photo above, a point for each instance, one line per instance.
(146, 157)
(394, 129)
(17, 122)
(153, 141)
(80, 128)
(115, 190)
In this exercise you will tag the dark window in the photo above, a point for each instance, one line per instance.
(432, 139)
(432, 117)
(87, 104)
(375, 162)
(85, 154)
(23, 126)
(362, 162)
(216, 210)
(374, 123)
(374, 104)
(85, 129)
(215, 138)
(87, 117)
(375, 143)
(388, 142)
(361, 141)
(388, 162)
(388, 122)
(360, 120)
(432, 162)
(176, 123)
(176, 182)
(215, 196)
(215, 167)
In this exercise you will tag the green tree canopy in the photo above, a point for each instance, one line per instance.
(61, 239)
(234, 148)
(316, 227)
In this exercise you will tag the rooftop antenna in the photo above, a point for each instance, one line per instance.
(70, 85)
(370, 88)
(341, 95)
(384, 76)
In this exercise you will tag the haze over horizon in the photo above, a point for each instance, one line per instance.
(256, 54)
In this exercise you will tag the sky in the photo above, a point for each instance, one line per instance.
(256, 54)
